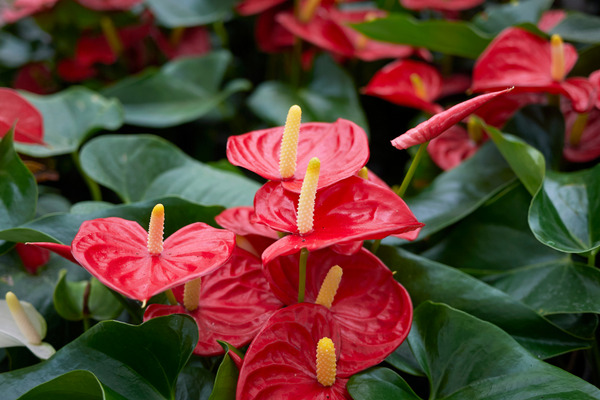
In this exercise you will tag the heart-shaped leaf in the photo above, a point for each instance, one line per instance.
(74, 385)
(180, 13)
(380, 383)
(181, 91)
(70, 117)
(563, 214)
(151, 355)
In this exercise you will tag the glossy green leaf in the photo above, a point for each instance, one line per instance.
(181, 91)
(380, 383)
(526, 161)
(427, 280)
(147, 357)
(496, 17)
(448, 37)
(62, 228)
(74, 385)
(14, 51)
(579, 27)
(194, 381)
(467, 358)
(330, 95)
(227, 376)
(179, 13)
(458, 192)
(18, 189)
(564, 213)
(70, 117)
(404, 360)
(147, 167)
(587, 61)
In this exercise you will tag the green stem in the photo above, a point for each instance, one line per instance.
(592, 258)
(221, 32)
(411, 170)
(133, 311)
(86, 323)
(91, 184)
(302, 274)
(171, 297)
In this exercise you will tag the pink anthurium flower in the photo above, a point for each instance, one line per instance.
(234, 303)
(353, 209)
(441, 122)
(408, 83)
(450, 5)
(15, 10)
(250, 235)
(374, 311)
(526, 61)
(18, 112)
(341, 146)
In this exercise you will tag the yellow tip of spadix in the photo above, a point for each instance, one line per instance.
(156, 230)
(326, 362)
(557, 52)
(289, 143)
(418, 86)
(308, 193)
(329, 287)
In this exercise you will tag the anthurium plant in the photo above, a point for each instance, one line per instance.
(309, 199)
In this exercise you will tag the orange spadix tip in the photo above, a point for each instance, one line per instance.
(418, 86)
(308, 193)
(326, 362)
(557, 52)
(289, 143)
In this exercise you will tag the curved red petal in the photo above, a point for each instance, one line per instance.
(439, 123)
(32, 257)
(18, 112)
(281, 361)
(61, 249)
(240, 220)
(115, 251)
(249, 7)
(342, 147)
(581, 92)
(451, 148)
(374, 311)
(550, 19)
(588, 148)
(235, 302)
(440, 4)
(15, 10)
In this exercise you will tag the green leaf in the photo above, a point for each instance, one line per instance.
(194, 382)
(102, 304)
(497, 17)
(74, 385)
(448, 37)
(564, 213)
(135, 362)
(527, 162)
(180, 13)
(148, 167)
(458, 192)
(181, 91)
(330, 95)
(379, 383)
(227, 376)
(466, 358)
(62, 228)
(587, 61)
(70, 117)
(427, 280)
(403, 359)
(579, 27)
(18, 189)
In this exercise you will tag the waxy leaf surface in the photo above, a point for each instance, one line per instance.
(380, 383)
(182, 13)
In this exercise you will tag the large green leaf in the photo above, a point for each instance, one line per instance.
(449, 37)
(564, 213)
(62, 228)
(330, 95)
(380, 383)
(466, 358)
(70, 117)
(194, 382)
(403, 359)
(179, 13)
(458, 192)
(147, 167)
(579, 27)
(427, 280)
(134, 362)
(74, 385)
(181, 91)
(497, 17)
(227, 376)
(18, 189)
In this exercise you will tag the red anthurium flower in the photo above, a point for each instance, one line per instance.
(105, 5)
(281, 362)
(136, 263)
(18, 112)
(32, 257)
(374, 311)
(250, 7)
(250, 235)
(408, 83)
(234, 303)
(194, 41)
(35, 78)
(271, 36)
(15, 10)
(521, 59)
(353, 209)
(341, 146)
(550, 19)
(452, 147)
(439, 123)
(451, 5)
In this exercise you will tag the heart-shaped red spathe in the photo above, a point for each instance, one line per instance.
(522, 59)
(393, 83)
(342, 147)
(452, 147)
(18, 112)
(374, 311)
(235, 302)
(115, 251)
(352, 209)
(281, 361)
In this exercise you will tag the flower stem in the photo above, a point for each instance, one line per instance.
(133, 311)
(592, 258)
(302, 274)
(91, 184)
